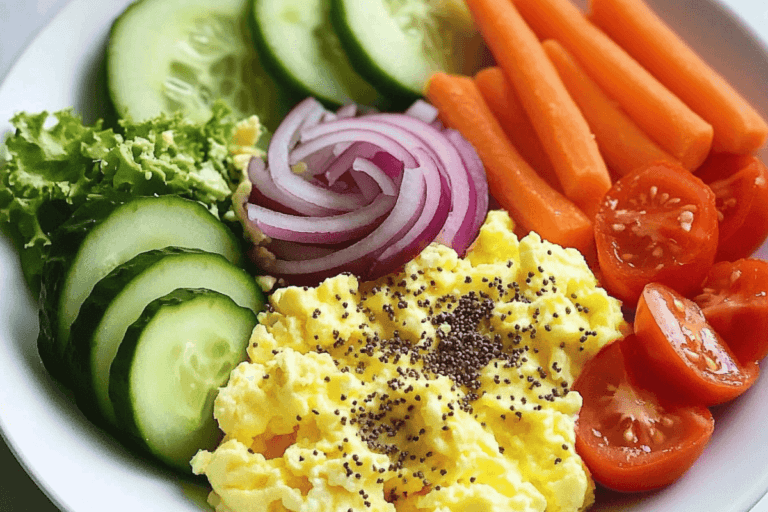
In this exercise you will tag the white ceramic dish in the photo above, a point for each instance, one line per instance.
(83, 470)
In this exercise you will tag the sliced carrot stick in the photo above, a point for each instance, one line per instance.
(632, 24)
(561, 127)
(622, 143)
(531, 202)
(502, 99)
(658, 112)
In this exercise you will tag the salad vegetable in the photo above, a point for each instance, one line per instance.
(49, 171)
(656, 224)
(734, 300)
(623, 145)
(659, 112)
(183, 55)
(560, 125)
(199, 336)
(118, 300)
(740, 184)
(397, 45)
(513, 183)
(738, 128)
(631, 439)
(687, 359)
(299, 46)
(362, 194)
(504, 103)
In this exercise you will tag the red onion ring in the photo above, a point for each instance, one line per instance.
(357, 257)
(318, 230)
(346, 192)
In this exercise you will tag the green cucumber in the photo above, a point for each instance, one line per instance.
(169, 367)
(170, 55)
(119, 299)
(105, 233)
(397, 44)
(298, 45)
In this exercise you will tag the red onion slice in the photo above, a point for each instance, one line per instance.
(346, 192)
(382, 141)
(320, 230)
(308, 111)
(457, 231)
(436, 207)
(296, 251)
(343, 163)
(476, 173)
(385, 183)
(357, 257)
(263, 185)
(413, 133)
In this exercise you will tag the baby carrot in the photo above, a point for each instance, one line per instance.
(531, 202)
(632, 24)
(561, 127)
(658, 112)
(502, 99)
(624, 146)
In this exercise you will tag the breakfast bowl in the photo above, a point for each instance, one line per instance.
(80, 468)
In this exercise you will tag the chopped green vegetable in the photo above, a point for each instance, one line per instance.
(51, 164)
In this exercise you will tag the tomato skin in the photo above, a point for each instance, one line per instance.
(682, 356)
(740, 184)
(630, 439)
(734, 300)
(656, 224)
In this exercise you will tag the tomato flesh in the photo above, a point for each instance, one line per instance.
(656, 224)
(630, 439)
(740, 184)
(683, 354)
(734, 300)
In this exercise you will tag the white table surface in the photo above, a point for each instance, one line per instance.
(20, 21)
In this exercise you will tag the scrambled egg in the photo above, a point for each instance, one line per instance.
(441, 388)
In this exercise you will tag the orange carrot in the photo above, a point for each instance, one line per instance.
(561, 127)
(502, 99)
(531, 202)
(624, 146)
(632, 24)
(658, 112)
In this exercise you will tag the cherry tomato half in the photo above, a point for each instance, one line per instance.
(740, 184)
(685, 357)
(734, 300)
(656, 224)
(630, 439)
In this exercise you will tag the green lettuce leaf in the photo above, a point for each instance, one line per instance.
(52, 163)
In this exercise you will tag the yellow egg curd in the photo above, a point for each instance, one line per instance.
(445, 387)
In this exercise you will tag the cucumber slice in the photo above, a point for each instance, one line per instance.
(169, 55)
(297, 43)
(170, 364)
(397, 44)
(105, 233)
(119, 299)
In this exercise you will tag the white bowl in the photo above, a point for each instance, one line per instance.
(84, 470)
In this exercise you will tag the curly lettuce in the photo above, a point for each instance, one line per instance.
(52, 163)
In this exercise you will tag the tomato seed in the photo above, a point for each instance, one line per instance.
(692, 356)
(629, 436)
